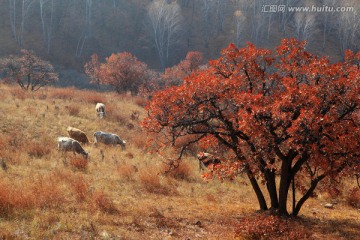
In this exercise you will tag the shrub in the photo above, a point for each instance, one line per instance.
(180, 172)
(80, 188)
(353, 197)
(73, 110)
(7, 203)
(127, 171)
(102, 202)
(46, 192)
(38, 150)
(117, 117)
(79, 163)
(91, 97)
(19, 93)
(63, 93)
(150, 181)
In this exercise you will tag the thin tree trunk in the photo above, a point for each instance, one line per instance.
(271, 187)
(256, 188)
(307, 194)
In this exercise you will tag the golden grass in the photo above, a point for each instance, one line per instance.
(118, 194)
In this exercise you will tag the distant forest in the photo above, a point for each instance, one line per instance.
(161, 32)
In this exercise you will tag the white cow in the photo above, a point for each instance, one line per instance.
(67, 144)
(100, 109)
(108, 139)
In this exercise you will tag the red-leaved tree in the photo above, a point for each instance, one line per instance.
(286, 114)
(175, 75)
(123, 71)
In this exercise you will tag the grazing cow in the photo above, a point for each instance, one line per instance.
(77, 134)
(100, 109)
(67, 144)
(108, 139)
(205, 159)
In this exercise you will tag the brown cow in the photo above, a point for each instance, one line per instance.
(77, 134)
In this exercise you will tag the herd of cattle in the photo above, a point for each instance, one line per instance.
(76, 136)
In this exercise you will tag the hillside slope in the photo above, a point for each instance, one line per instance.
(117, 194)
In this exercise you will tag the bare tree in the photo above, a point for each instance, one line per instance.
(286, 15)
(166, 21)
(240, 19)
(25, 7)
(348, 24)
(18, 31)
(305, 25)
(47, 17)
(12, 11)
(326, 18)
(86, 33)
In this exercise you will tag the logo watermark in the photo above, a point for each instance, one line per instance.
(313, 8)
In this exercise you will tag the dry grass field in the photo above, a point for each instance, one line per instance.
(120, 194)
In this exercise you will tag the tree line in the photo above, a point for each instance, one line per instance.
(161, 32)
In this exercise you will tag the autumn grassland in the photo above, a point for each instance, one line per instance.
(121, 194)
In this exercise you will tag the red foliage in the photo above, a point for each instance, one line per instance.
(122, 71)
(79, 163)
(176, 74)
(286, 113)
(271, 227)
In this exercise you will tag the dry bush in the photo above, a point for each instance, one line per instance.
(9, 149)
(127, 171)
(38, 149)
(353, 197)
(7, 203)
(151, 182)
(42, 192)
(63, 93)
(116, 117)
(46, 192)
(80, 187)
(19, 93)
(183, 171)
(91, 97)
(79, 163)
(139, 141)
(103, 202)
(142, 102)
(271, 227)
(73, 110)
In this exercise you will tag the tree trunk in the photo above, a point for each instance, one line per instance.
(258, 192)
(271, 187)
(307, 195)
(284, 186)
